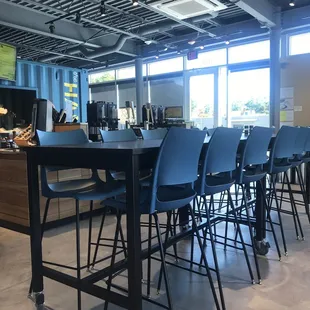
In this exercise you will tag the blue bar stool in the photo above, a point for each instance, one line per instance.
(281, 153)
(250, 169)
(172, 188)
(70, 189)
(154, 134)
(216, 177)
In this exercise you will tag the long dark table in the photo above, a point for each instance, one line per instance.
(130, 157)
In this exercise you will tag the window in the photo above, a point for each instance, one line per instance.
(105, 76)
(249, 52)
(299, 44)
(128, 72)
(208, 59)
(125, 73)
(166, 66)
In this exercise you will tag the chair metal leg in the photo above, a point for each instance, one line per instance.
(294, 209)
(292, 204)
(91, 206)
(195, 230)
(149, 258)
(165, 249)
(241, 237)
(174, 232)
(303, 190)
(162, 256)
(274, 192)
(226, 226)
(78, 252)
(245, 198)
(47, 205)
(193, 237)
(99, 237)
(270, 220)
(217, 269)
(117, 230)
(213, 208)
(123, 241)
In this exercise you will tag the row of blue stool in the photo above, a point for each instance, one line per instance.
(213, 170)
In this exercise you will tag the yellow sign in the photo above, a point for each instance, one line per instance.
(7, 62)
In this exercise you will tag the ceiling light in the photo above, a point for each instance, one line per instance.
(201, 47)
(191, 42)
(102, 9)
(148, 42)
(135, 2)
(78, 17)
(292, 3)
(227, 42)
(166, 49)
(178, 52)
(156, 56)
(52, 28)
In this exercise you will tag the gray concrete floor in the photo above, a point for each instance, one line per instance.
(285, 284)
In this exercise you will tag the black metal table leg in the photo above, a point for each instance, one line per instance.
(307, 181)
(133, 235)
(35, 231)
(262, 246)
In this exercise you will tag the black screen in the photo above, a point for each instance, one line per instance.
(19, 104)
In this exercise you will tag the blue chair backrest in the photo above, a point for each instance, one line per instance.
(154, 134)
(211, 131)
(171, 169)
(62, 138)
(118, 135)
(256, 147)
(284, 143)
(301, 139)
(221, 153)
(307, 144)
(73, 137)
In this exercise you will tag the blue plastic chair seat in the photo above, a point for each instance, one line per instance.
(67, 189)
(215, 184)
(168, 198)
(102, 191)
(278, 167)
(250, 175)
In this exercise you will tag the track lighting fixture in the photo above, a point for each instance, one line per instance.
(292, 3)
(78, 17)
(102, 8)
(135, 2)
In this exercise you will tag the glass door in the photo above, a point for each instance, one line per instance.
(203, 108)
(248, 98)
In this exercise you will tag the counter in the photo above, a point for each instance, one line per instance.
(14, 193)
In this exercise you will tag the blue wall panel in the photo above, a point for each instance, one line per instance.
(60, 85)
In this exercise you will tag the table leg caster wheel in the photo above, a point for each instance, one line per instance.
(286, 254)
(280, 259)
(303, 238)
(262, 247)
(253, 282)
(297, 238)
(259, 281)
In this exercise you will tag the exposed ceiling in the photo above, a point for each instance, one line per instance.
(84, 37)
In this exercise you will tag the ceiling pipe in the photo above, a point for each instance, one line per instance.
(164, 26)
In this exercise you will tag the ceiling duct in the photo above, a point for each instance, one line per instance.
(183, 9)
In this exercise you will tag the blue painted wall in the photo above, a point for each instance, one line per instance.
(55, 83)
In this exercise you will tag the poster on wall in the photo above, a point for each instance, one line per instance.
(287, 106)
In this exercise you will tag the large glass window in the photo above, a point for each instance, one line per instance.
(167, 92)
(208, 59)
(166, 66)
(249, 52)
(248, 95)
(125, 73)
(299, 44)
(105, 76)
